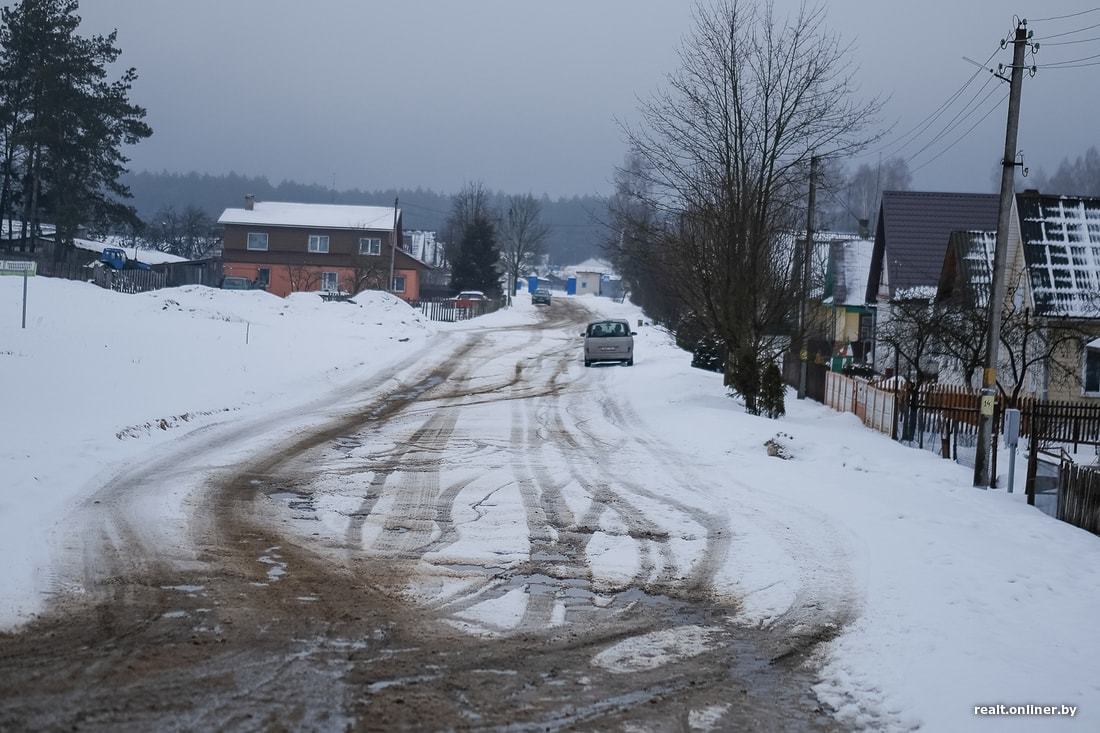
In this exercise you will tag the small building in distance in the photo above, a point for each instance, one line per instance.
(294, 247)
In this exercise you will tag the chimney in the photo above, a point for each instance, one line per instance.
(1031, 192)
(249, 202)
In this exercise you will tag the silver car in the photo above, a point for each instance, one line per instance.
(608, 341)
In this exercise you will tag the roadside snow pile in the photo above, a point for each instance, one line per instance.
(99, 376)
(946, 597)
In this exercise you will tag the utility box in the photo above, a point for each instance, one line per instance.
(1012, 427)
(532, 283)
(571, 286)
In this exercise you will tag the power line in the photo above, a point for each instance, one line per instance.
(966, 134)
(1063, 17)
(917, 130)
(960, 117)
(1069, 66)
(1068, 33)
(1054, 64)
(1067, 43)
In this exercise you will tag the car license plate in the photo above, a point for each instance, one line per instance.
(608, 348)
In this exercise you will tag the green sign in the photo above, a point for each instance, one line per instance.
(18, 267)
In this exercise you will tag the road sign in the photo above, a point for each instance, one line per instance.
(21, 268)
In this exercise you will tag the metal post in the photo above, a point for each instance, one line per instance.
(24, 299)
(1000, 256)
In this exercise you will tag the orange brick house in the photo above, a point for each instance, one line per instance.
(291, 247)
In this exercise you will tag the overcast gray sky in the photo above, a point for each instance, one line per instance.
(523, 95)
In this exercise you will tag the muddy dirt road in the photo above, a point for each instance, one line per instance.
(487, 540)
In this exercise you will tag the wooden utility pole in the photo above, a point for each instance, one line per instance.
(985, 445)
(807, 258)
(393, 244)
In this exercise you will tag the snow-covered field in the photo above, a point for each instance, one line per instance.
(98, 378)
(958, 597)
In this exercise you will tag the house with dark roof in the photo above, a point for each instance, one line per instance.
(911, 239)
(290, 247)
(1052, 271)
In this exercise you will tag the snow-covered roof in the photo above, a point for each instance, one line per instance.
(593, 265)
(849, 267)
(320, 216)
(148, 256)
(1061, 236)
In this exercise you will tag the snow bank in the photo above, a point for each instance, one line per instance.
(946, 596)
(98, 377)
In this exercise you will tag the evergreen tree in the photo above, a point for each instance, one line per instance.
(64, 121)
(475, 267)
(772, 391)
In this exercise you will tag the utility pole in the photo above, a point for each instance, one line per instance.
(1000, 255)
(807, 258)
(393, 244)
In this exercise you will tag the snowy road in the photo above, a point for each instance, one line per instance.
(489, 538)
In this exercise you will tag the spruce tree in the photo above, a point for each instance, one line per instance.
(64, 120)
(476, 264)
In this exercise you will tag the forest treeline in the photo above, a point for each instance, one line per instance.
(576, 224)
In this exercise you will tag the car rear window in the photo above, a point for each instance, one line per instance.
(608, 329)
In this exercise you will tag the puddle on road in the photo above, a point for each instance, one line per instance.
(656, 649)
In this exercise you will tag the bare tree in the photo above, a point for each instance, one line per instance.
(368, 273)
(302, 278)
(726, 151)
(522, 235)
(867, 182)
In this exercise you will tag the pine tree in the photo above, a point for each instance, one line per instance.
(772, 391)
(65, 122)
(476, 264)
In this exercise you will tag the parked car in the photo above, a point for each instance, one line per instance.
(237, 283)
(540, 296)
(469, 298)
(608, 341)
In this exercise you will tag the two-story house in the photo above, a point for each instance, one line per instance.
(292, 247)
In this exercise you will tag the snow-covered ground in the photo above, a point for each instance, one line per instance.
(934, 597)
(959, 597)
(98, 378)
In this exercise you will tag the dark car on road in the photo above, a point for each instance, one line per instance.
(609, 341)
(540, 297)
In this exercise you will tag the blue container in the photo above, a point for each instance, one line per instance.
(571, 286)
(532, 283)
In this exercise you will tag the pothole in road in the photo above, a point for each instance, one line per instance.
(656, 649)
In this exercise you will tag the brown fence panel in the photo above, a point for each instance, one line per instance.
(1079, 496)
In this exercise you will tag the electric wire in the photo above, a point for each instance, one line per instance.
(966, 134)
(1067, 33)
(1063, 17)
(960, 117)
(904, 141)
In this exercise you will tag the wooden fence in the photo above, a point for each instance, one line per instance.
(129, 281)
(1079, 496)
(445, 309)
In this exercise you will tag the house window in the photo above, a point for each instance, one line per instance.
(263, 277)
(1092, 370)
(318, 243)
(399, 284)
(257, 241)
(330, 281)
(370, 246)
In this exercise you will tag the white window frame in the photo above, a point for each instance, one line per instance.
(1085, 371)
(335, 278)
(404, 283)
(319, 239)
(248, 242)
(370, 249)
